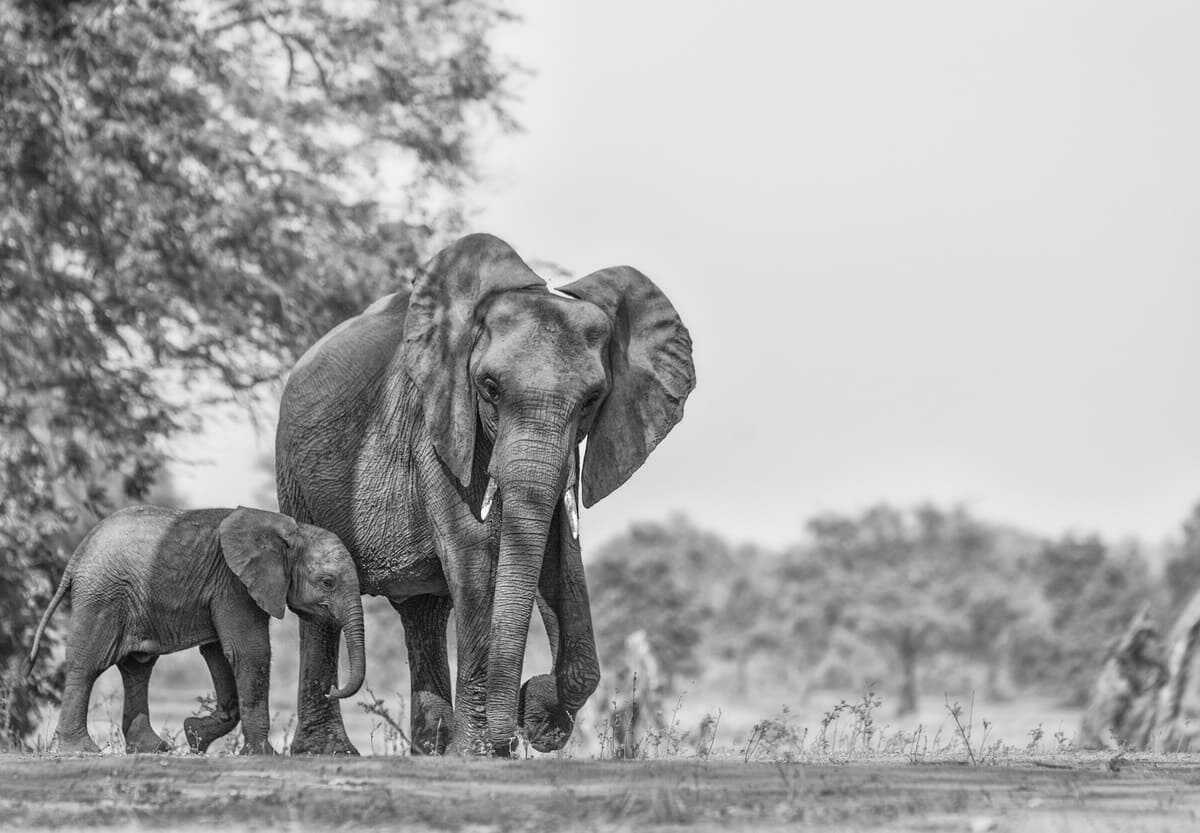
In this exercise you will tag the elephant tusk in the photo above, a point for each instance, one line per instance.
(570, 503)
(488, 495)
(572, 512)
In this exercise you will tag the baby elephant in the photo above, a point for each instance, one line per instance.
(148, 581)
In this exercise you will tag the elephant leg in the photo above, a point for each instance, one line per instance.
(473, 621)
(246, 644)
(90, 649)
(319, 729)
(202, 731)
(135, 718)
(424, 619)
(72, 732)
(252, 674)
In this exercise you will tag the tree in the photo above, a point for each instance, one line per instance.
(189, 199)
(903, 580)
(747, 624)
(1092, 591)
(1000, 598)
(656, 577)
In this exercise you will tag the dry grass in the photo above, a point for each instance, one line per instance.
(170, 792)
(848, 770)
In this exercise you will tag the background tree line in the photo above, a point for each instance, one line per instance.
(910, 600)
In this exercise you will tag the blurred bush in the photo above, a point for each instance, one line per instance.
(910, 600)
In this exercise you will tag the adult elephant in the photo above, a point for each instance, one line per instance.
(438, 435)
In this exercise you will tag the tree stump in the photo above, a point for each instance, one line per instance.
(1123, 710)
(1179, 701)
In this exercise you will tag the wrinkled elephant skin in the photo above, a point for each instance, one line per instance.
(148, 581)
(438, 435)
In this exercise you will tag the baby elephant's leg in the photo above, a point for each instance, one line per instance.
(252, 671)
(202, 731)
(72, 732)
(135, 722)
(89, 650)
(246, 643)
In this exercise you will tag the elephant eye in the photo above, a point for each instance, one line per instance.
(327, 582)
(488, 389)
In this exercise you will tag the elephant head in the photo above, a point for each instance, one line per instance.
(307, 568)
(512, 377)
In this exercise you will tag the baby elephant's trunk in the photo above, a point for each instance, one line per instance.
(352, 625)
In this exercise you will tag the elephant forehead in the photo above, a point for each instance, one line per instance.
(544, 313)
(322, 548)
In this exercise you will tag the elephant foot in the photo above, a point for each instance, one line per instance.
(322, 741)
(202, 731)
(75, 744)
(546, 724)
(141, 738)
(262, 747)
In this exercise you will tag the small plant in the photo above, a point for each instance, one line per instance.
(915, 746)
(634, 728)
(206, 705)
(173, 737)
(956, 713)
(231, 744)
(395, 740)
(1063, 741)
(289, 731)
(708, 734)
(1035, 739)
(840, 744)
(774, 739)
(114, 738)
(674, 737)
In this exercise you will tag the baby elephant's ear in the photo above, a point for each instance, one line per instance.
(255, 544)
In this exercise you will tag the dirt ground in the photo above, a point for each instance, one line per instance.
(192, 792)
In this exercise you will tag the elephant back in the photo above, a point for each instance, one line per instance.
(346, 362)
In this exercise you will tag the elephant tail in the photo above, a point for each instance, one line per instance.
(63, 586)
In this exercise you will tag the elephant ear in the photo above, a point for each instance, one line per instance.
(448, 299)
(650, 363)
(256, 544)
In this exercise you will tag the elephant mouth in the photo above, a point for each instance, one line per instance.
(570, 497)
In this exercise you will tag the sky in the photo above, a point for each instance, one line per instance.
(927, 251)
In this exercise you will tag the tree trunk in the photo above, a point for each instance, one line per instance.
(998, 684)
(907, 651)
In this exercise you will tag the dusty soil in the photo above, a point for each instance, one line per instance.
(187, 792)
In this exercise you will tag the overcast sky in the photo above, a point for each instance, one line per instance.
(940, 251)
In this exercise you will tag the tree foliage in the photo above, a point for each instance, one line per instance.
(1183, 567)
(888, 596)
(657, 577)
(916, 582)
(1092, 590)
(190, 197)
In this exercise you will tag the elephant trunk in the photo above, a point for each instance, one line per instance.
(531, 472)
(352, 626)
